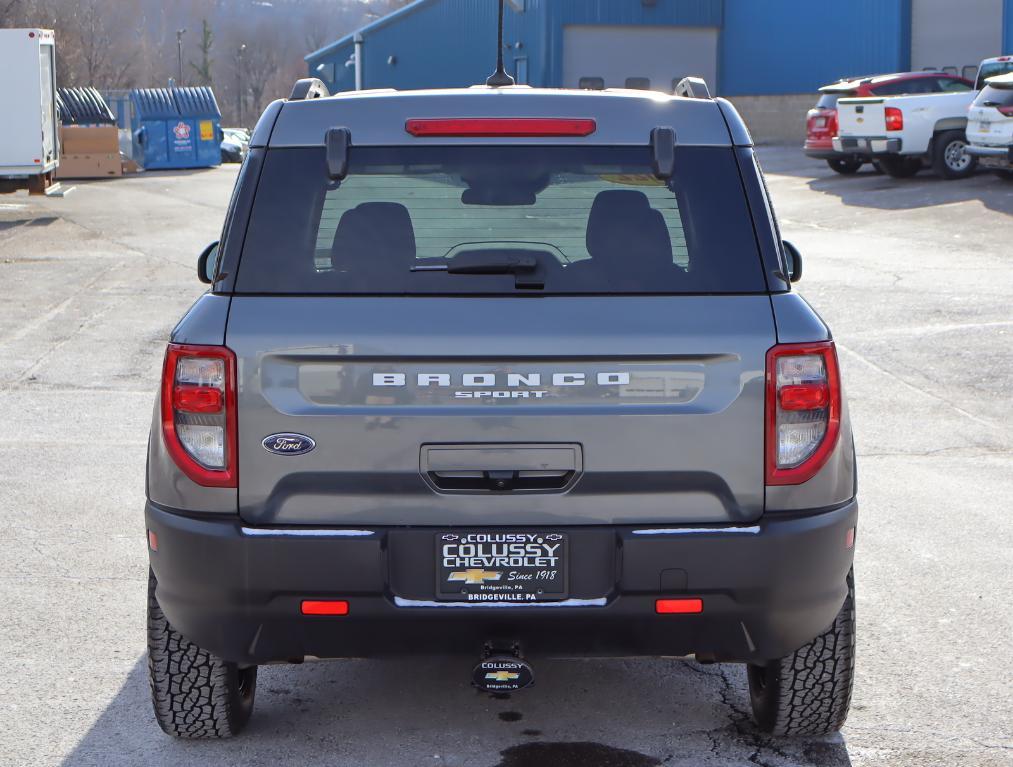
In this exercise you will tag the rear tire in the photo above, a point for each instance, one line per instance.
(949, 159)
(844, 166)
(900, 167)
(1005, 175)
(809, 691)
(194, 693)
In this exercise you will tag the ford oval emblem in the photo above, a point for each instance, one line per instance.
(288, 444)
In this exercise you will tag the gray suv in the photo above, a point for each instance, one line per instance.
(507, 373)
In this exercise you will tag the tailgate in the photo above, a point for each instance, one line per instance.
(861, 117)
(593, 409)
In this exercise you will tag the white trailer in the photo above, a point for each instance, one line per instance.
(29, 148)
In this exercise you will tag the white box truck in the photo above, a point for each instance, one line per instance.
(29, 148)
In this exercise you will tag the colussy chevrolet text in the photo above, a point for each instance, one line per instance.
(503, 373)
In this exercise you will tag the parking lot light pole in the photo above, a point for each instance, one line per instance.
(239, 81)
(179, 51)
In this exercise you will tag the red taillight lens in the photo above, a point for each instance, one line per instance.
(803, 410)
(491, 127)
(197, 399)
(324, 607)
(682, 606)
(894, 119)
(1006, 111)
(199, 412)
(803, 397)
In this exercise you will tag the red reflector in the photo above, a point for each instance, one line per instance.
(678, 606)
(197, 399)
(497, 126)
(804, 397)
(152, 540)
(324, 607)
(849, 538)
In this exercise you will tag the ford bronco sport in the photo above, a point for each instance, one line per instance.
(505, 373)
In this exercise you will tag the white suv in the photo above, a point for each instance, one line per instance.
(990, 125)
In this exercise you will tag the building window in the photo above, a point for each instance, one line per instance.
(639, 83)
(591, 83)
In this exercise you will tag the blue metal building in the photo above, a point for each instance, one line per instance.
(176, 128)
(742, 47)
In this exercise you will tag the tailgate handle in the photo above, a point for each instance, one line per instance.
(500, 467)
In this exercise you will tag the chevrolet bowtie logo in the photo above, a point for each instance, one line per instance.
(502, 676)
(475, 576)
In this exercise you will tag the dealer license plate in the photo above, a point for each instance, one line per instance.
(517, 566)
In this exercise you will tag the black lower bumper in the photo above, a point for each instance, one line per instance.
(767, 589)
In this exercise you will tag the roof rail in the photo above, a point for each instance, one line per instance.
(692, 88)
(308, 88)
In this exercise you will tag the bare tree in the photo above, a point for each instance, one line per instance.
(261, 61)
(203, 69)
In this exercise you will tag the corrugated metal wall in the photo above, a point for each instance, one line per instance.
(766, 47)
(795, 46)
(1007, 38)
(453, 42)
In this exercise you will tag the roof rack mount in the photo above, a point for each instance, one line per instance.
(693, 88)
(309, 88)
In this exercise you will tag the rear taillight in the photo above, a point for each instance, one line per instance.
(1006, 111)
(894, 119)
(803, 410)
(199, 412)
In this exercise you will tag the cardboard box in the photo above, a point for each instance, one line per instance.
(89, 166)
(83, 139)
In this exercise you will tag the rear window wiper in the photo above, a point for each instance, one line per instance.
(523, 266)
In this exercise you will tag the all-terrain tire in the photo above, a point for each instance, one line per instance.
(845, 167)
(901, 166)
(195, 694)
(949, 159)
(809, 691)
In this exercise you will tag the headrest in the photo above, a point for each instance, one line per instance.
(623, 224)
(371, 230)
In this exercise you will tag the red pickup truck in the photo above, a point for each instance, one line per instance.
(821, 120)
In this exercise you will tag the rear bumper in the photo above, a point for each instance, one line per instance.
(767, 589)
(823, 149)
(868, 146)
(992, 156)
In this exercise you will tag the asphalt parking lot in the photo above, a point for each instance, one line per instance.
(916, 279)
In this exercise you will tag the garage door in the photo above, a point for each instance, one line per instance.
(948, 34)
(617, 56)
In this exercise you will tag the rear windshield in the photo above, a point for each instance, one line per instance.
(829, 100)
(995, 97)
(500, 219)
(992, 69)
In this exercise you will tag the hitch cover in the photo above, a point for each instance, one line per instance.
(502, 673)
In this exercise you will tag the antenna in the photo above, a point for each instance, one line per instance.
(499, 78)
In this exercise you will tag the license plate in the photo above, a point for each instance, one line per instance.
(516, 566)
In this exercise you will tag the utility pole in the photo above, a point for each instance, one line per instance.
(179, 50)
(239, 82)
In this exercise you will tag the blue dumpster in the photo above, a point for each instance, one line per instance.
(176, 128)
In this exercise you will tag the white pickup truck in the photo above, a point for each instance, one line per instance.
(901, 133)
